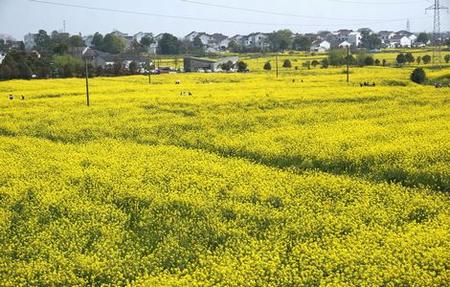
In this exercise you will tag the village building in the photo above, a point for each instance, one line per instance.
(192, 64)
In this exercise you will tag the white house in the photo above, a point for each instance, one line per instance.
(400, 41)
(320, 46)
(257, 40)
(2, 57)
(345, 44)
(354, 38)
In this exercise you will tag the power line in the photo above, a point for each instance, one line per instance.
(130, 12)
(283, 13)
(376, 3)
(180, 17)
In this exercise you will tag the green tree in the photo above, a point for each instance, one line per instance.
(242, 66)
(418, 60)
(336, 57)
(418, 76)
(423, 38)
(370, 41)
(401, 59)
(227, 66)
(325, 64)
(410, 58)
(426, 59)
(369, 61)
(280, 40)
(302, 43)
(43, 42)
(76, 41)
(112, 44)
(97, 41)
(5, 72)
(147, 41)
(314, 63)
(267, 66)
(169, 45)
(133, 68)
(287, 64)
(447, 58)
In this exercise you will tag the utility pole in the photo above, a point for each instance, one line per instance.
(408, 25)
(150, 71)
(276, 64)
(348, 64)
(88, 54)
(436, 7)
(87, 81)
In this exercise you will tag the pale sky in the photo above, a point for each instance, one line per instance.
(18, 17)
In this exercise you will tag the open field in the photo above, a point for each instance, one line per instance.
(251, 181)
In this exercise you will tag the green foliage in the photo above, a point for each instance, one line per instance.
(418, 76)
(401, 59)
(281, 40)
(447, 58)
(302, 43)
(267, 66)
(410, 58)
(169, 45)
(426, 59)
(423, 38)
(287, 63)
(336, 57)
(242, 66)
(112, 44)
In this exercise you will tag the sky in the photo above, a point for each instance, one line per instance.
(179, 17)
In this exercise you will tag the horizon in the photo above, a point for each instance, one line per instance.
(180, 17)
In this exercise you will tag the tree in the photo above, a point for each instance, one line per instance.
(401, 59)
(336, 57)
(423, 38)
(267, 66)
(76, 41)
(384, 62)
(227, 66)
(242, 67)
(370, 41)
(24, 71)
(302, 43)
(117, 68)
(325, 64)
(133, 68)
(97, 41)
(426, 59)
(112, 44)
(369, 61)
(287, 64)
(2, 45)
(419, 60)
(234, 47)
(410, 58)
(280, 40)
(418, 76)
(315, 63)
(447, 58)
(197, 46)
(361, 57)
(169, 45)
(5, 72)
(43, 41)
(147, 41)
(377, 62)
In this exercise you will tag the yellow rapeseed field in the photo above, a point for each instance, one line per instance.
(301, 180)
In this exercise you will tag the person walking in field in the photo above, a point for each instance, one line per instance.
(11, 97)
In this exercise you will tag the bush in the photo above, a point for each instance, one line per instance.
(426, 59)
(369, 61)
(418, 76)
(447, 58)
(315, 63)
(287, 64)
(242, 66)
(401, 59)
(267, 66)
(325, 64)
